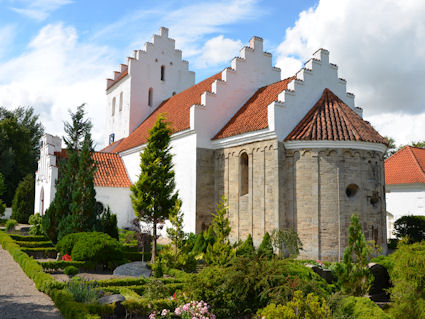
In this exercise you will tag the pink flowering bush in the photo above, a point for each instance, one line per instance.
(191, 310)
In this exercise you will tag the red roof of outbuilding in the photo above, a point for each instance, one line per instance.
(407, 166)
(177, 113)
(252, 116)
(331, 119)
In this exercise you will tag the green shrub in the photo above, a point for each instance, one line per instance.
(247, 248)
(158, 272)
(155, 289)
(249, 284)
(81, 290)
(408, 293)
(412, 227)
(71, 271)
(2, 208)
(28, 238)
(266, 248)
(34, 244)
(61, 264)
(35, 222)
(108, 223)
(91, 246)
(287, 242)
(200, 245)
(11, 224)
(23, 201)
(358, 308)
(392, 243)
(311, 307)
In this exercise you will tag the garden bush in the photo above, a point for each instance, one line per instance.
(34, 244)
(266, 248)
(108, 223)
(93, 247)
(82, 290)
(407, 276)
(249, 284)
(71, 271)
(11, 224)
(23, 201)
(247, 248)
(358, 308)
(35, 222)
(311, 307)
(2, 208)
(412, 227)
(28, 238)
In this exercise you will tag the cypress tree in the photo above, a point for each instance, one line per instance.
(266, 247)
(153, 196)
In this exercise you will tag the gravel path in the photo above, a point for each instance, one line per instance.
(19, 299)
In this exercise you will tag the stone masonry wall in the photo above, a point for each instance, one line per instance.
(320, 198)
(257, 211)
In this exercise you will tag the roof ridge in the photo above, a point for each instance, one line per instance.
(416, 161)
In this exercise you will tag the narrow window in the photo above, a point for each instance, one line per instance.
(174, 93)
(162, 73)
(150, 96)
(121, 100)
(113, 106)
(244, 177)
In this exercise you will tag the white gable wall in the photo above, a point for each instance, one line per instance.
(405, 199)
(118, 200)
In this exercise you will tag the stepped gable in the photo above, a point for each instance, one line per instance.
(252, 116)
(110, 171)
(407, 166)
(177, 112)
(331, 119)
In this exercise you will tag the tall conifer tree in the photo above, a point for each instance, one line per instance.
(153, 196)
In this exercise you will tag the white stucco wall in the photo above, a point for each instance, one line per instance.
(144, 72)
(405, 199)
(183, 148)
(119, 122)
(118, 199)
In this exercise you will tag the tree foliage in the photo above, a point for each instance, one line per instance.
(220, 221)
(23, 201)
(176, 233)
(266, 248)
(20, 133)
(287, 242)
(353, 274)
(153, 196)
(412, 227)
(74, 207)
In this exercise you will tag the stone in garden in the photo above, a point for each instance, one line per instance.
(134, 269)
(119, 310)
(380, 283)
(324, 273)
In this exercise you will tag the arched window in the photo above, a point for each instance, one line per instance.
(113, 106)
(150, 96)
(121, 100)
(244, 176)
(162, 72)
(42, 201)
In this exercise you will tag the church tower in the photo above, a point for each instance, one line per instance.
(150, 76)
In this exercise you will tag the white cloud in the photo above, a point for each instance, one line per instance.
(57, 73)
(7, 34)
(218, 50)
(39, 9)
(379, 47)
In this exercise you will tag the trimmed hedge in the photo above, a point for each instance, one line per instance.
(61, 264)
(28, 238)
(34, 244)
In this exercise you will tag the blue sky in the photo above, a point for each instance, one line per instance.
(56, 54)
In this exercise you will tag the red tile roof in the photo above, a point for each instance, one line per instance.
(407, 166)
(177, 112)
(110, 148)
(331, 119)
(110, 169)
(252, 116)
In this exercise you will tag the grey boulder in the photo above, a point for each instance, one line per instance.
(134, 269)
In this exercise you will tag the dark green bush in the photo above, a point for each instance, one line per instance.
(108, 223)
(91, 246)
(358, 308)
(71, 271)
(266, 248)
(23, 201)
(34, 244)
(248, 284)
(11, 224)
(61, 264)
(28, 238)
(392, 243)
(2, 208)
(200, 244)
(410, 226)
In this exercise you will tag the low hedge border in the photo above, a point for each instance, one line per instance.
(61, 264)
(28, 237)
(35, 244)
(134, 281)
(49, 285)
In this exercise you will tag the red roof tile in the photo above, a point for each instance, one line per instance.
(331, 119)
(252, 116)
(110, 169)
(110, 148)
(407, 166)
(177, 112)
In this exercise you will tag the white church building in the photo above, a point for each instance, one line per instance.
(289, 152)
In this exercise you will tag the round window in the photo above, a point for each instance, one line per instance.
(351, 190)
